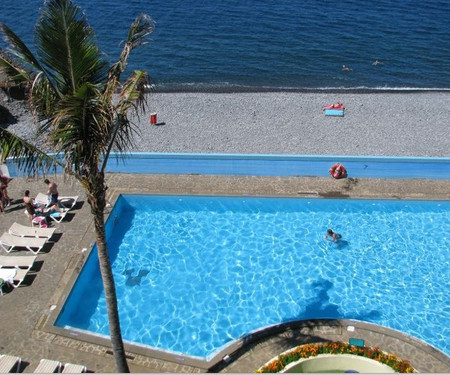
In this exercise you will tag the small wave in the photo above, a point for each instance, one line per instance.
(225, 87)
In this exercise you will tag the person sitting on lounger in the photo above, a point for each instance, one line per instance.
(34, 211)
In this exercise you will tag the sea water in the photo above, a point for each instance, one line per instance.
(255, 44)
(195, 273)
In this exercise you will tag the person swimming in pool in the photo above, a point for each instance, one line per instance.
(332, 236)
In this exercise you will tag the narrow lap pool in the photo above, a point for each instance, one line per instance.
(195, 273)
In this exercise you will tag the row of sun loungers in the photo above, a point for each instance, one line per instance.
(34, 239)
(48, 366)
(14, 269)
(30, 238)
(9, 363)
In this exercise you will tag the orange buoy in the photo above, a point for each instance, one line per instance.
(338, 171)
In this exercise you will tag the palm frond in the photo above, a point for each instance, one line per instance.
(14, 72)
(43, 97)
(132, 94)
(81, 127)
(19, 48)
(14, 69)
(139, 30)
(131, 99)
(67, 48)
(28, 157)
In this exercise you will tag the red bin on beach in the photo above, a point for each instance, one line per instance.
(153, 119)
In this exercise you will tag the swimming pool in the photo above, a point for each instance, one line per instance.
(195, 273)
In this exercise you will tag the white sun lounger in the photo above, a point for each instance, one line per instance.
(57, 216)
(23, 231)
(65, 201)
(41, 199)
(13, 276)
(8, 363)
(48, 366)
(68, 201)
(11, 261)
(10, 242)
(70, 368)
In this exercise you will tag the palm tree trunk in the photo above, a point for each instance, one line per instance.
(97, 202)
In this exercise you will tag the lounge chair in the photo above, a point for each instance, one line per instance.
(23, 231)
(70, 368)
(57, 216)
(48, 366)
(13, 276)
(8, 363)
(11, 261)
(41, 199)
(9, 270)
(39, 221)
(10, 242)
(65, 201)
(68, 201)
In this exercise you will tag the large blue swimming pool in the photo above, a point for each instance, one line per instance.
(194, 273)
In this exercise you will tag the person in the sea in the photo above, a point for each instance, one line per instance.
(377, 62)
(332, 236)
(346, 68)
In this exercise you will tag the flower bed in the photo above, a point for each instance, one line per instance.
(335, 348)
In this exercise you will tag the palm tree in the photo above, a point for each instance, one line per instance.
(86, 109)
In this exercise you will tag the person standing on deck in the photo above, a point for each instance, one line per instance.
(52, 192)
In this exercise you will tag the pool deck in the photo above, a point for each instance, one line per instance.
(26, 311)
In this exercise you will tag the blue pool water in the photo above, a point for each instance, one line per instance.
(195, 273)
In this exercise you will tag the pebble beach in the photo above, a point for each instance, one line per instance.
(376, 124)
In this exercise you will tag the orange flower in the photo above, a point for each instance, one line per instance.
(309, 350)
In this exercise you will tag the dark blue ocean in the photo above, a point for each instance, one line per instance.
(273, 44)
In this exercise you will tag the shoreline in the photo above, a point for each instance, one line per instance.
(200, 88)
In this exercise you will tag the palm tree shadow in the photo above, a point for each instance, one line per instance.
(321, 307)
(135, 280)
